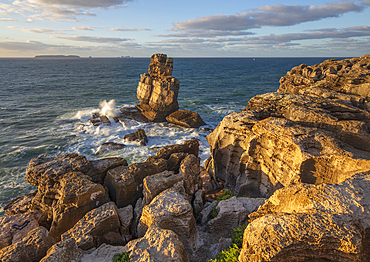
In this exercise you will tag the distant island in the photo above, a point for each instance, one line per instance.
(57, 57)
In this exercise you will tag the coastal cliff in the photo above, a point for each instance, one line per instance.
(294, 166)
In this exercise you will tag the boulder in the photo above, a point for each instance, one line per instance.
(284, 138)
(100, 167)
(20, 205)
(63, 251)
(346, 81)
(108, 147)
(14, 228)
(186, 118)
(205, 214)
(101, 225)
(126, 216)
(104, 253)
(155, 184)
(206, 181)
(157, 91)
(139, 136)
(157, 244)
(32, 247)
(305, 222)
(99, 119)
(231, 214)
(128, 115)
(171, 210)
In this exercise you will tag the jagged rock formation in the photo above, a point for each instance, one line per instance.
(346, 81)
(312, 223)
(139, 136)
(157, 91)
(186, 118)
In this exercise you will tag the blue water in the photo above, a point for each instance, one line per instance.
(43, 104)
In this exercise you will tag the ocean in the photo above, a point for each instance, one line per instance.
(45, 103)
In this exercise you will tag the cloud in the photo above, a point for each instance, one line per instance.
(92, 39)
(37, 30)
(209, 33)
(29, 20)
(7, 20)
(276, 15)
(81, 3)
(83, 28)
(124, 29)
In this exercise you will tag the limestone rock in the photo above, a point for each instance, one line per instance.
(63, 251)
(108, 147)
(20, 205)
(101, 225)
(138, 210)
(312, 223)
(14, 228)
(198, 202)
(157, 245)
(231, 214)
(139, 136)
(186, 119)
(155, 184)
(346, 81)
(158, 90)
(171, 210)
(283, 138)
(251, 204)
(124, 181)
(32, 247)
(126, 215)
(190, 169)
(104, 253)
(206, 180)
(205, 214)
(100, 167)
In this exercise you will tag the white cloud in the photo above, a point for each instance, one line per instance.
(276, 15)
(7, 20)
(92, 39)
(37, 30)
(124, 29)
(81, 3)
(29, 20)
(207, 33)
(83, 28)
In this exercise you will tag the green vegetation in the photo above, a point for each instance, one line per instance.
(227, 194)
(123, 257)
(232, 253)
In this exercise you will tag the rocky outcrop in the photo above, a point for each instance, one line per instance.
(63, 251)
(284, 138)
(20, 205)
(101, 225)
(346, 81)
(108, 147)
(171, 210)
(190, 170)
(186, 118)
(158, 244)
(312, 223)
(139, 137)
(157, 91)
(32, 247)
(99, 119)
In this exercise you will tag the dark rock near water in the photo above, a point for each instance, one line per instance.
(186, 119)
(139, 136)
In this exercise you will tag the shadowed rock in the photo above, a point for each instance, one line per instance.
(186, 119)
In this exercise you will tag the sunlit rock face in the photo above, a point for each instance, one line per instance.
(157, 91)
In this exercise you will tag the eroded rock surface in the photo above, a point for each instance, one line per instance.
(186, 118)
(312, 223)
(158, 90)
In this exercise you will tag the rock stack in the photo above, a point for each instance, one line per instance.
(157, 90)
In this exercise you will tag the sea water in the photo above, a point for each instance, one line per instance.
(45, 106)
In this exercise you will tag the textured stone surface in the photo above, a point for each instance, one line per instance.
(63, 251)
(190, 170)
(171, 210)
(346, 81)
(312, 223)
(126, 215)
(155, 184)
(186, 118)
(283, 138)
(104, 253)
(157, 245)
(101, 225)
(158, 90)
(190, 147)
(20, 205)
(231, 214)
(198, 202)
(100, 167)
(33, 247)
(108, 147)
(205, 214)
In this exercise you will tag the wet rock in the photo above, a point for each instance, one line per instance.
(101, 225)
(63, 251)
(158, 90)
(128, 115)
(108, 147)
(155, 184)
(33, 247)
(283, 138)
(139, 136)
(158, 244)
(99, 119)
(186, 119)
(312, 223)
(171, 210)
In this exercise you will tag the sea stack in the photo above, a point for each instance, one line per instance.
(157, 90)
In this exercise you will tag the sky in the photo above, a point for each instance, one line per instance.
(192, 28)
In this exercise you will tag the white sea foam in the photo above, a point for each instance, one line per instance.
(109, 108)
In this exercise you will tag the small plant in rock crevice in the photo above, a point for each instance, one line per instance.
(123, 257)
